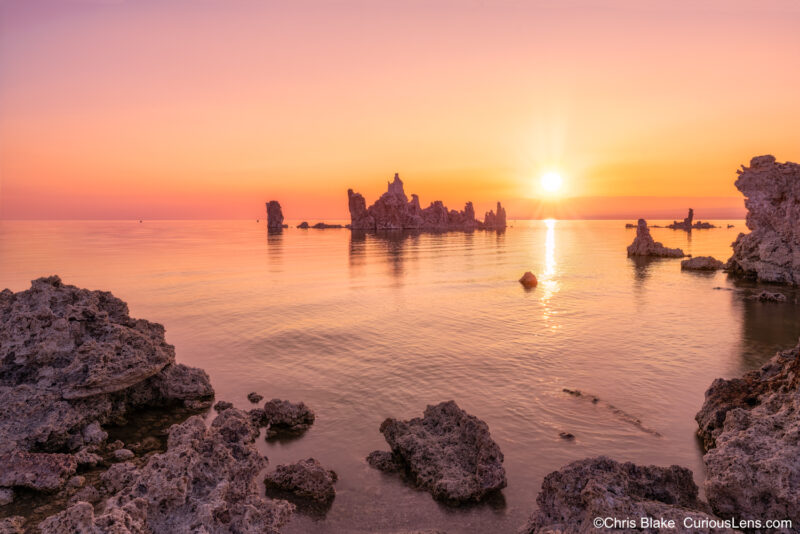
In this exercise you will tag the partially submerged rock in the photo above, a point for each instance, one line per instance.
(702, 263)
(207, 481)
(448, 452)
(221, 406)
(274, 215)
(644, 245)
(282, 416)
(385, 461)
(528, 280)
(573, 497)
(771, 251)
(254, 397)
(394, 211)
(74, 360)
(687, 224)
(325, 226)
(306, 479)
(750, 427)
(768, 296)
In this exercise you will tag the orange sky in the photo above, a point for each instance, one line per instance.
(207, 108)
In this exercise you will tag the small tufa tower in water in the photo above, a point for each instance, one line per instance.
(274, 215)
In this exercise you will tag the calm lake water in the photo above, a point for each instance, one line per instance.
(366, 327)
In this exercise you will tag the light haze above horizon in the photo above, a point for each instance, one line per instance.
(186, 109)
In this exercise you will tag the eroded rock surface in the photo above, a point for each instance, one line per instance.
(572, 497)
(771, 251)
(307, 479)
(447, 451)
(394, 211)
(750, 427)
(282, 416)
(702, 263)
(73, 360)
(644, 245)
(274, 215)
(207, 481)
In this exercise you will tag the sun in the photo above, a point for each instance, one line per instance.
(551, 182)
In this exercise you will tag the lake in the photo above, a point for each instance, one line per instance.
(364, 327)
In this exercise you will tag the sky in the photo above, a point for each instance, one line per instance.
(208, 108)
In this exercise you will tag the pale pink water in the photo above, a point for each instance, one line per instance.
(362, 328)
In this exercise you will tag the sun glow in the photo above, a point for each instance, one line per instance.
(552, 182)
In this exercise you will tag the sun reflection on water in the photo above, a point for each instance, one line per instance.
(549, 280)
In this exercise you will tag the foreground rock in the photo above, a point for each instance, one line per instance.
(702, 263)
(306, 479)
(274, 215)
(73, 360)
(394, 211)
(572, 497)
(207, 481)
(771, 251)
(750, 426)
(447, 451)
(643, 245)
(12, 525)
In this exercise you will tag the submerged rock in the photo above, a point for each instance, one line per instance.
(702, 263)
(643, 245)
(282, 416)
(448, 452)
(768, 296)
(221, 406)
(207, 481)
(394, 211)
(385, 461)
(324, 226)
(74, 360)
(528, 280)
(274, 215)
(771, 251)
(573, 497)
(306, 479)
(254, 397)
(750, 427)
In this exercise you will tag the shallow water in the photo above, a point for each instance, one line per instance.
(365, 327)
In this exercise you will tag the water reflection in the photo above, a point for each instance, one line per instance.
(549, 281)
(641, 268)
(396, 246)
(275, 248)
(767, 327)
